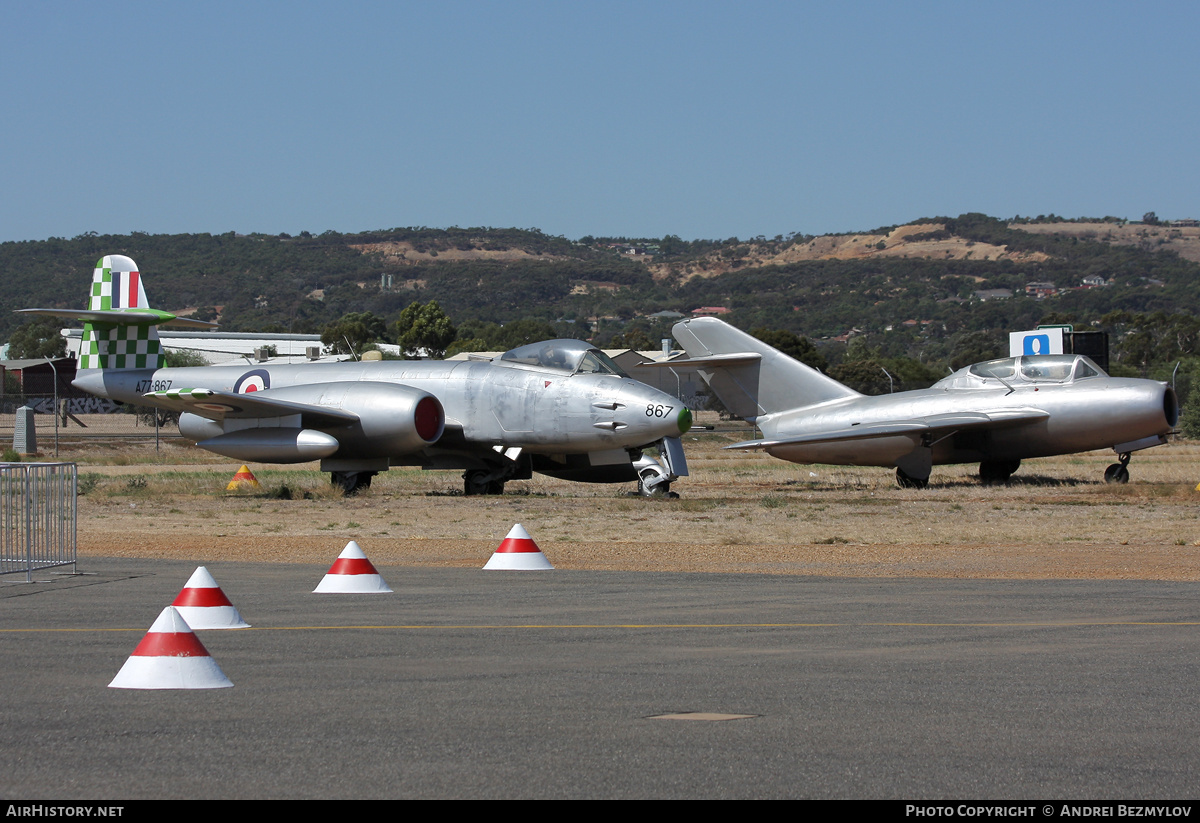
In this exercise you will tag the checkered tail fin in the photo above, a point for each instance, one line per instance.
(117, 284)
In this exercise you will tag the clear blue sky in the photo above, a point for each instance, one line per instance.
(701, 119)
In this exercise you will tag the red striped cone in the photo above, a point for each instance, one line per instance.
(170, 656)
(518, 551)
(204, 606)
(352, 573)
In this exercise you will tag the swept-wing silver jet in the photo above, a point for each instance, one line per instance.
(996, 413)
(560, 408)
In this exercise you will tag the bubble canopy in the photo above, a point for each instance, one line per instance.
(1045, 368)
(569, 356)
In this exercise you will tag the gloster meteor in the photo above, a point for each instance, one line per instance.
(560, 408)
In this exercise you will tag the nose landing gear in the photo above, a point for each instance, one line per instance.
(1118, 472)
(654, 480)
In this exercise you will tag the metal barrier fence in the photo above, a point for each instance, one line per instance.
(38, 516)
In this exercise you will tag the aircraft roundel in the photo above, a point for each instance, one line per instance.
(253, 381)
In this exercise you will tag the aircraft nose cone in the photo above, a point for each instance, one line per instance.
(665, 414)
(684, 420)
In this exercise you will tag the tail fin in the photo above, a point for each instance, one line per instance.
(117, 284)
(119, 325)
(750, 377)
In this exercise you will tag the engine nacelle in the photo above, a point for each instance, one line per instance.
(393, 420)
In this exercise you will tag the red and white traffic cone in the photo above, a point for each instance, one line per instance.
(518, 551)
(204, 606)
(170, 656)
(352, 573)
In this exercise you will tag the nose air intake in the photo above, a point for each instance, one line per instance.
(429, 419)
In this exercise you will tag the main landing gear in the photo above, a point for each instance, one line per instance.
(997, 471)
(1118, 472)
(907, 481)
(482, 481)
(351, 483)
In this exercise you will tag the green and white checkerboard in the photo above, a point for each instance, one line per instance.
(123, 346)
(116, 284)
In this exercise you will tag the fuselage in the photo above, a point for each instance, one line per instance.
(500, 405)
(1082, 415)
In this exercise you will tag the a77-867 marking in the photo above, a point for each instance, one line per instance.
(144, 386)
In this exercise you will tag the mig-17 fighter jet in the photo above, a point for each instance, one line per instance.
(560, 408)
(996, 413)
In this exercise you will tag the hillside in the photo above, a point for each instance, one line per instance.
(912, 288)
(1184, 241)
(922, 240)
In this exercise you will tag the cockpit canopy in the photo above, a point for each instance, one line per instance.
(569, 356)
(1036, 368)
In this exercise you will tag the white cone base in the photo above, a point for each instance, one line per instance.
(518, 561)
(170, 673)
(212, 617)
(352, 559)
(352, 584)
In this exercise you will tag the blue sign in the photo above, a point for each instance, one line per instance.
(1037, 344)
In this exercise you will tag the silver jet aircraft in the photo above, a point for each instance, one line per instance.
(560, 408)
(995, 413)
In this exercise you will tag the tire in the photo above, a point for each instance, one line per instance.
(475, 482)
(908, 482)
(997, 471)
(659, 490)
(1116, 473)
(351, 483)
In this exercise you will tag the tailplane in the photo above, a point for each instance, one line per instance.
(119, 327)
(750, 377)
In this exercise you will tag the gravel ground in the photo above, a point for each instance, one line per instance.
(736, 513)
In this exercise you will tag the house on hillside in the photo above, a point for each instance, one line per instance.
(993, 294)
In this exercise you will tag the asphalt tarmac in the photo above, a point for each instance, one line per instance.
(466, 684)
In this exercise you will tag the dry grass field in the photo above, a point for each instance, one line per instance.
(737, 512)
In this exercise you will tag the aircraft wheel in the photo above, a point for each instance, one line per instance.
(1116, 473)
(658, 490)
(997, 471)
(351, 483)
(475, 482)
(906, 481)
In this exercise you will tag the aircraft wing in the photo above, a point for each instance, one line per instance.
(219, 405)
(934, 424)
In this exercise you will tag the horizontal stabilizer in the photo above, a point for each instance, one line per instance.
(740, 359)
(938, 424)
(126, 317)
(219, 405)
